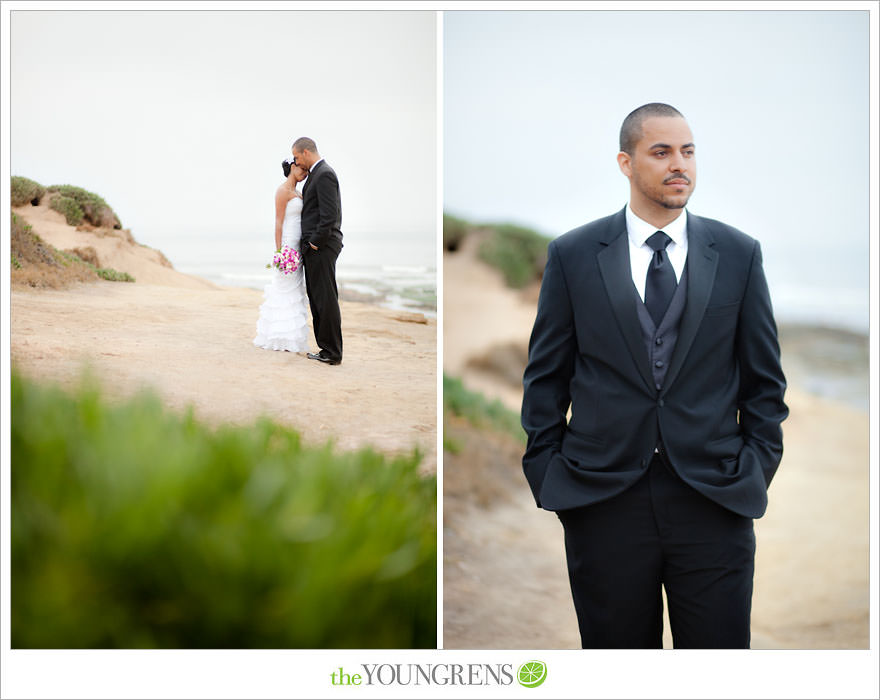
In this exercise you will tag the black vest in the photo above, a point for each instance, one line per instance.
(660, 341)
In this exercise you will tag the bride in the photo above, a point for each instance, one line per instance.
(283, 321)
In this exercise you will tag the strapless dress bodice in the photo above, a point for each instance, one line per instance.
(291, 229)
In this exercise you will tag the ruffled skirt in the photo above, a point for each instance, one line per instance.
(283, 323)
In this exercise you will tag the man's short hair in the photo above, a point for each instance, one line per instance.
(631, 131)
(304, 143)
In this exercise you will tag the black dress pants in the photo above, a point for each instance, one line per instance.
(323, 296)
(660, 532)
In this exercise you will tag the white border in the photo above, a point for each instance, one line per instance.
(271, 674)
(439, 267)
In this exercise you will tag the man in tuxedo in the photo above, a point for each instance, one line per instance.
(321, 245)
(654, 328)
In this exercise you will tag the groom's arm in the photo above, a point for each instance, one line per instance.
(327, 192)
(546, 397)
(762, 383)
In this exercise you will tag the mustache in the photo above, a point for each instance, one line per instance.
(677, 177)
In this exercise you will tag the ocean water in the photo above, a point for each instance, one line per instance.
(827, 287)
(395, 271)
(399, 270)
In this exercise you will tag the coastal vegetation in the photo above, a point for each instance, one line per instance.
(76, 203)
(135, 527)
(482, 451)
(454, 232)
(25, 191)
(35, 263)
(68, 206)
(518, 252)
(38, 264)
(479, 411)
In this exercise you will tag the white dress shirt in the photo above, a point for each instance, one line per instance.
(640, 253)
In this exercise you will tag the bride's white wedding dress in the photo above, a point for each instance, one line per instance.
(283, 321)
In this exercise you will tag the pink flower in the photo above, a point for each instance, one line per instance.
(287, 260)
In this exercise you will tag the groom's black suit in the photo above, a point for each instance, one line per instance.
(321, 222)
(716, 418)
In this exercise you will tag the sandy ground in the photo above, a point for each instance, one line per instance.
(191, 341)
(505, 579)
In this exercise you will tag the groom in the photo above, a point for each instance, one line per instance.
(321, 245)
(652, 402)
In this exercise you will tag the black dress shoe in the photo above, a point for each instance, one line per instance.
(322, 358)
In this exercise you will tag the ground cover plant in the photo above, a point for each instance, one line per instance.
(135, 527)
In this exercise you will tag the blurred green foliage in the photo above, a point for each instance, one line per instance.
(478, 410)
(134, 527)
(520, 253)
(450, 444)
(24, 191)
(454, 231)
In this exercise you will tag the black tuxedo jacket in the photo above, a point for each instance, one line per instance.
(322, 209)
(718, 414)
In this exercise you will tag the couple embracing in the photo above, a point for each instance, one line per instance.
(308, 223)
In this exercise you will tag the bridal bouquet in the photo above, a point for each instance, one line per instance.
(287, 260)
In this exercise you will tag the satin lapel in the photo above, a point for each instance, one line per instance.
(311, 177)
(702, 262)
(617, 276)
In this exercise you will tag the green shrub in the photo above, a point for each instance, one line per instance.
(26, 246)
(520, 253)
(25, 191)
(15, 263)
(67, 258)
(133, 527)
(68, 206)
(18, 225)
(478, 410)
(95, 210)
(451, 445)
(111, 275)
(108, 273)
(454, 231)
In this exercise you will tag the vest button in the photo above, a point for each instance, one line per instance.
(658, 364)
(660, 403)
(658, 341)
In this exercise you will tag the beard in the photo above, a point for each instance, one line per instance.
(657, 195)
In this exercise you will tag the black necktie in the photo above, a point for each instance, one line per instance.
(660, 283)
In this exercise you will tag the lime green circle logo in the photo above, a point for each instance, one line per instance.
(532, 673)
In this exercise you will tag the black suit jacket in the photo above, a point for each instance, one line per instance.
(719, 412)
(322, 209)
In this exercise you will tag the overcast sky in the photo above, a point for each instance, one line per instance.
(180, 119)
(777, 102)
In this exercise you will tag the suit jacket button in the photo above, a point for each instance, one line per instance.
(658, 364)
(660, 403)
